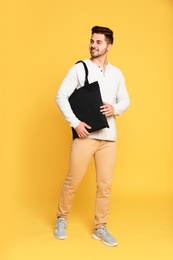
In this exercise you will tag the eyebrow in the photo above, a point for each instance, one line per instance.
(91, 40)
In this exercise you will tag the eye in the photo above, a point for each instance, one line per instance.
(99, 42)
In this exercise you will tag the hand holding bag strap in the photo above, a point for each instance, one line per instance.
(86, 72)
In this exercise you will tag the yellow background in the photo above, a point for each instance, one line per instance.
(40, 41)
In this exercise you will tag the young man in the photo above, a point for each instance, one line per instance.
(99, 144)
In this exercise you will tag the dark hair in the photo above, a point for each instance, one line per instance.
(104, 30)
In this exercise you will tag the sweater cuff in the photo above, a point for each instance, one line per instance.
(75, 123)
(116, 110)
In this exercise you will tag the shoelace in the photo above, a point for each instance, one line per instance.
(62, 224)
(104, 229)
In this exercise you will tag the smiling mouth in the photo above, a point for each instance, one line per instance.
(93, 49)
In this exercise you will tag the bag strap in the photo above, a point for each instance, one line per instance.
(86, 72)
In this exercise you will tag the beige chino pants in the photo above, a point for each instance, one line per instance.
(82, 150)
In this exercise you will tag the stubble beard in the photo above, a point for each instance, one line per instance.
(97, 54)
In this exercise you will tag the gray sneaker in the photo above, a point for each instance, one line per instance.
(60, 228)
(102, 234)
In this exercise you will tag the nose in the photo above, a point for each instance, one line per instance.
(93, 44)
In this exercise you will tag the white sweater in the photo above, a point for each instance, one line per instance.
(113, 91)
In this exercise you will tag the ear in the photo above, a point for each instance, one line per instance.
(109, 47)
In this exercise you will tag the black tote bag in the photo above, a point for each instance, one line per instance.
(85, 103)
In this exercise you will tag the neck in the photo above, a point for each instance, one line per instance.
(100, 61)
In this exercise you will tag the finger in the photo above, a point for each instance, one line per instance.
(106, 113)
(104, 106)
(87, 126)
(85, 133)
(81, 135)
(105, 110)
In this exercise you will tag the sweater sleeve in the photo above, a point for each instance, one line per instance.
(67, 87)
(122, 98)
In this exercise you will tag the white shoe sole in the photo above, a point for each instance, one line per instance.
(61, 238)
(98, 238)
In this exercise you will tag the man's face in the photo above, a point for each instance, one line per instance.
(98, 45)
